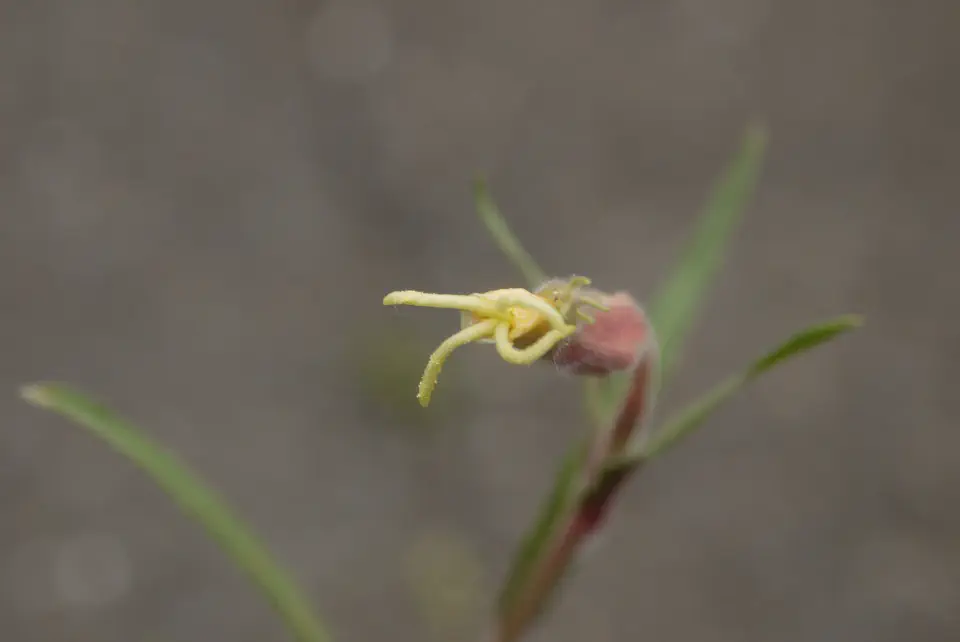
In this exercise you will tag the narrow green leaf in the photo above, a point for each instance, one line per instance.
(504, 237)
(675, 306)
(803, 341)
(693, 416)
(193, 497)
(537, 541)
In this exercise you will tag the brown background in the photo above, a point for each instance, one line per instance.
(203, 202)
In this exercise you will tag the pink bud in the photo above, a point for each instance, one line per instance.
(614, 342)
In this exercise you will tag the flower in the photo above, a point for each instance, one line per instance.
(525, 326)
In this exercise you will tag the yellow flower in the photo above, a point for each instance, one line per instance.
(523, 325)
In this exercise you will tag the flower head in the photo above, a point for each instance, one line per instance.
(525, 326)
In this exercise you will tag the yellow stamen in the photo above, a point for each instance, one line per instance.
(470, 302)
(518, 298)
(429, 379)
(531, 353)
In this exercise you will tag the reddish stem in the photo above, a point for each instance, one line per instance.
(591, 507)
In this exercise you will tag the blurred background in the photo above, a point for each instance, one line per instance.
(203, 203)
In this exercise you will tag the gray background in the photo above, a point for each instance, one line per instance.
(203, 202)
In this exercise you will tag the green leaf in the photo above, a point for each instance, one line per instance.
(675, 307)
(537, 541)
(693, 416)
(679, 299)
(193, 497)
(504, 238)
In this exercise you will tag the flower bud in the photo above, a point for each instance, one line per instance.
(614, 342)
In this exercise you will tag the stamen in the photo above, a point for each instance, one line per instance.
(593, 303)
(523, 299)
(531, 353)
(468, 335)
(584, 316)
(470, 302)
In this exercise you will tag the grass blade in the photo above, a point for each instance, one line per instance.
(676, 305)
(505, 239)
(678, 300)
(193, 497)
(693, 416)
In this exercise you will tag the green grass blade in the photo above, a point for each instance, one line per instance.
(508, 243)
(193, 497)
(679, 299)
(676, 304)
(693, 416)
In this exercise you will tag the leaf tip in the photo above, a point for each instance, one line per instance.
(36, 394)
(853, 320)
(846, 322)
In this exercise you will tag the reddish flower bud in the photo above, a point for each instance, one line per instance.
(614, 342)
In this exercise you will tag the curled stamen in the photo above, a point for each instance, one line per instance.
(432, 373)
(517, 298)
(533, 352)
